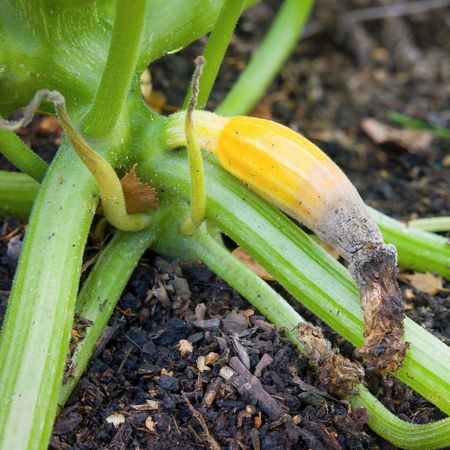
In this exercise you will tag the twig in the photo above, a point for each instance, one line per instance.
(211, 392)
(249, 386)
(213, 444)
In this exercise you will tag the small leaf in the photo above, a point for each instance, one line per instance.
(251, 263)
(425, 282)
(139, 196)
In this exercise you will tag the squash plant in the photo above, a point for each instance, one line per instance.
(84, 59)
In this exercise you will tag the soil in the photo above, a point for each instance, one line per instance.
(337, 76)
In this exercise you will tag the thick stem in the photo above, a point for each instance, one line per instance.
(19, 154)
(17, 193)
(119, 69)
(268, 59)
(215, 49)
(36, 332)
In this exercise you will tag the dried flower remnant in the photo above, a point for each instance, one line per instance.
(340, 375)
(291, 172)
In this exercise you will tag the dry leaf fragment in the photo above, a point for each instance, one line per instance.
(201, 366)
(185, 347)
(425, 282)
(150, 424)
(139, 196)
(152, 404)
(251, 263)
(415, 141)
(116, 419)
(258, 420)
(211, 358)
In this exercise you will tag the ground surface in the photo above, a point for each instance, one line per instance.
(336, 77)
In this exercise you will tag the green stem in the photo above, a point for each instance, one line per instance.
(427, 436)
(215, 49)
(304, 269)
(17, 193)
(113, 199)
(268, 59)
(283, 316)
(119, 69)
(36, 332)
(19, 154)
(440, 224)
(417, 249)
(195, 157)
(102, 289)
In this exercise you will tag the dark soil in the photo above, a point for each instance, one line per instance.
(335, 78)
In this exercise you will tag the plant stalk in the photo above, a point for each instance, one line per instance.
(201, 245)
(36, 332)
(403, 434)
(17, 194)
(119, 69)
(440, 224)
(268, 59)
(215, 49)
(19, 154)
(417, 249)
(102, 290)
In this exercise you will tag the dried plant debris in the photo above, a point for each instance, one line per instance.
(252, 264)
(415, 141)
(374, 270)
(336, 372)
(425, 282)
(139, 196)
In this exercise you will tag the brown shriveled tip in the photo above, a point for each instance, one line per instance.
(139, 196)
(337, 373)
(375, 270)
